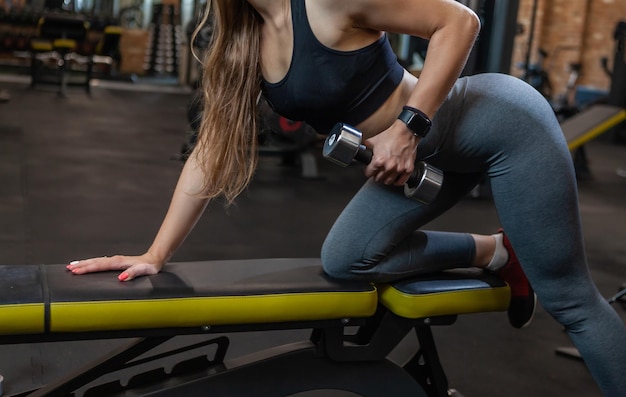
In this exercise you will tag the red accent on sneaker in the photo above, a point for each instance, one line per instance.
(523, 298)
(512, 272)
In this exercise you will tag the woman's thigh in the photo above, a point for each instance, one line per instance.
(377, 236)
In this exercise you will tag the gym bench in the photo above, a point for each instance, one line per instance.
(587, 125)
(59, 40)
(590, 123)
(355, 325)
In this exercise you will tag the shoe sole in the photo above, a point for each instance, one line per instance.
(532, 315)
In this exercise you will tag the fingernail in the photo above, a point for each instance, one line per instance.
(74, 262)
(122, 277)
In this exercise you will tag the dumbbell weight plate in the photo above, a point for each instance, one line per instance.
(342, 144)
(425, 183)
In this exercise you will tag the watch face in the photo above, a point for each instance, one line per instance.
(418, 123)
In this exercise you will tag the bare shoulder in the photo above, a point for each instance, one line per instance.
(334, 24)
(347, 10)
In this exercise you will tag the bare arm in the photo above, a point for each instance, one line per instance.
(184, 212)
(452, 29)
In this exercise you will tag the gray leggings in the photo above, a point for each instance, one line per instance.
(493, 126)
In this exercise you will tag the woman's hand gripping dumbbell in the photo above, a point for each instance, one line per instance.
(343, 145)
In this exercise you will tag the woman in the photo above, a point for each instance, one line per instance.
(328, 61)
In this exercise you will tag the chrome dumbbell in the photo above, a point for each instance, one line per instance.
(343, 145)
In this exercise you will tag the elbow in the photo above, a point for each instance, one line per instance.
(471, 24)
(462, 25)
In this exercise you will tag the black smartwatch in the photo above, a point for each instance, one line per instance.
(416, 120)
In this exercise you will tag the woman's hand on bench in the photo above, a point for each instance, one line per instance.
(131, 266)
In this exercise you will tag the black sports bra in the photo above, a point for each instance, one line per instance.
(324, 86)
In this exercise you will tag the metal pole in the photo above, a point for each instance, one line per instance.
(531, 37)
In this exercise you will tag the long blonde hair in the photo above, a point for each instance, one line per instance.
(227, 137)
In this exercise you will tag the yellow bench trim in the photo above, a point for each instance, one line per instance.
(223, 310)
(41, 45)
(22, 319)
(66, 44)
(444, 303)
(113, 29)
(599, 129)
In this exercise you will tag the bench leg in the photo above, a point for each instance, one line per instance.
(33, 69)
(62, 68)
(426, 367)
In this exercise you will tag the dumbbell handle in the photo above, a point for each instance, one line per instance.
(364, 155)
(343, 145)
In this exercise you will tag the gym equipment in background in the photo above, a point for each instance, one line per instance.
(292, 141)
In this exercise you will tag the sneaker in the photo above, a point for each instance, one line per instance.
(523, 298)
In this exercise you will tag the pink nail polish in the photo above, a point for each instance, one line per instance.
(122, 277)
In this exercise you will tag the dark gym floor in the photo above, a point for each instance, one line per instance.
(87, 176)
